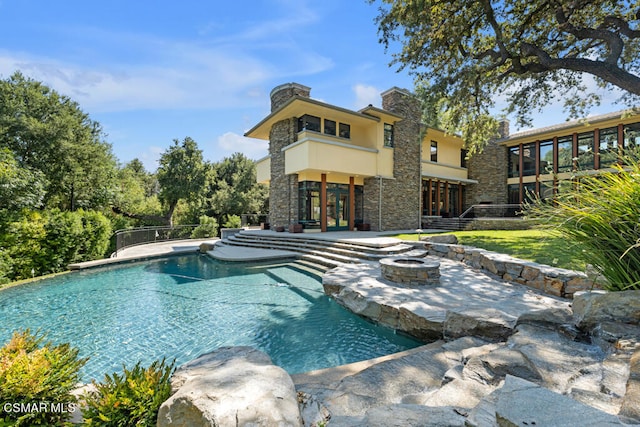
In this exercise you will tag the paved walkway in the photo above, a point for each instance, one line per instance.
(142, 252)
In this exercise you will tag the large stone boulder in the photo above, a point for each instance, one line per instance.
(522, 403)
(448, 239)
(228, 387)
(593, 307)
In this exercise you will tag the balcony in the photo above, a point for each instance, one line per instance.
(321, 154)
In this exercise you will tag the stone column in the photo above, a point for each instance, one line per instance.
(489, 168)
(283, 189)
(401, 195)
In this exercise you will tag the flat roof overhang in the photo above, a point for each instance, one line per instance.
(298, 106)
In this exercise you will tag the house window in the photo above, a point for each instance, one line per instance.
(546, 157)
(434, 151)
(565, 153)
(388, 135)
(585, 151)
(514, 162)
(632, 140)
(529, 159)
(308, 122)
(609, 149)
(329, 127)
(345, 130)
(463, 158)
(513, 191)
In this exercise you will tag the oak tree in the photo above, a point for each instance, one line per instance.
(465, 54)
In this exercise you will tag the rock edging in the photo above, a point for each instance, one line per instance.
(551, 280)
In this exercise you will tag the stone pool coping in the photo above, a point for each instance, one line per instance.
(466, 302)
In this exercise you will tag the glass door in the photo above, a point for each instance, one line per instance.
(337, 209)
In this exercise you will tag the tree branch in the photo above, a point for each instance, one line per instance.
(613, 41)
(622, 26)
(606, 71)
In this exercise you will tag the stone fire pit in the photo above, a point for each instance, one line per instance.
(410, 271)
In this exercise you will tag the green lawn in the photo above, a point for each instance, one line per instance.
(534, 245)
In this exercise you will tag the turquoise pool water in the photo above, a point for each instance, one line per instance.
(181, 307)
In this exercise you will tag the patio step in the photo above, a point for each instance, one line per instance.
(343, 249)
(324, 251)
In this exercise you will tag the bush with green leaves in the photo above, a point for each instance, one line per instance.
(43, 242)
(601, 214)
(36, 372)
(130, 399)
(233, 221)
(208, 228)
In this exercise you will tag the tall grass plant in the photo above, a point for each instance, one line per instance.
(600, 213)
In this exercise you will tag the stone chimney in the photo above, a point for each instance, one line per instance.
(503, 129)
(281, 94)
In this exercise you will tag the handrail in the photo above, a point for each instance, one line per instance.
(142, 235)
(505, 207)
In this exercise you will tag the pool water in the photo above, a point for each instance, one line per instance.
(182, 307)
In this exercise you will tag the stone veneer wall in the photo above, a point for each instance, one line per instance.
(489, 168)
(551, 280)
(400, 195)
(283, 189)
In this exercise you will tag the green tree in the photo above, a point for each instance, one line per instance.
(233, 190)
(181, 175)
(136, 197)
(467, 53)
(49, 133)
(20, 187)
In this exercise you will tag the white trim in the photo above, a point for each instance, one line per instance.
(328, 142)
(268, 156)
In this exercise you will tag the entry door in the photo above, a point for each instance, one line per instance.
(337, 209)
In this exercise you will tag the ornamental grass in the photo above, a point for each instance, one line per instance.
(601, 214)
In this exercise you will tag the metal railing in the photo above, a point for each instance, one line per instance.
(254, 219)
(143, 235)
(493, 211)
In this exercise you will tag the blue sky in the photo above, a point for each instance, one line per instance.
(151, 72)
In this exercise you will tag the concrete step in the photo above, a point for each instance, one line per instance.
(346, 249)
(341, 259)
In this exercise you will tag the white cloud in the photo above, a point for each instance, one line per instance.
(231, 142)
(150, 158)
(155, 73)
(366, 95)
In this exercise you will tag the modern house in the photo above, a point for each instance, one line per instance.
(541, 161)
(331, 168)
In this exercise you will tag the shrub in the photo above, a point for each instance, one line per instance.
(42, 242)
(208, 228)
(602, 215)
(96, 235)
(233, 221)
(35, 372)
(131, 399)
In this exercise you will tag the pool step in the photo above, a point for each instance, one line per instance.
(344, 252)
(328, 259)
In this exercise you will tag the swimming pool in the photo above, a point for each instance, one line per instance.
(183, 306)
